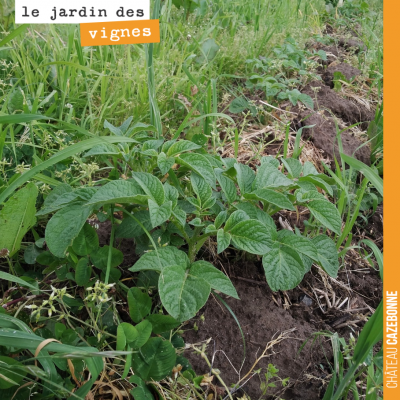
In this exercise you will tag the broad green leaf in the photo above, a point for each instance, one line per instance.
(141, 391)
(234, 219)
(151, 185)
(129, 228)
(283, 268)
(163, 257)
(159, 214)
(100, 257)
(217, 279)
(208, 51)
(326, 213)
(126, 334)
(200, 165)
(270, 177)
(139, 304)
(293, 166)
(245, 177)
(162, 323)
(17, 217)
(11, 278)
(317, 182)
(79, 195)
(171, 194)
(227, 186)
(155, 360)
(252, 236)
(223, 240)
(182, 146)
(220, 219)
(309, 169)
(101, 149)
(327, 254)
(298, 243)
(181, 293)
(201, 188)
(64, 227)
(144, 329)
(180, 215)
(256, 213)
(83, 272)
(86, 242)
(121, 191)
(270, 160)
(272, 197)
(165, 163)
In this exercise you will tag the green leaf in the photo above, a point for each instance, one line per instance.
(298, 243)
(268, 176)
(182, 146)
(100, 257)
(181, 293)
(201, 188)
(220, 219)
(129, 228)
(163, 257)
(151, 185)
(227, 186)
(327, 254)
(144, 329)
(141, 391)
(101, 149)
(121, 191)
(317, 182)
(159, 214)
(223, 240)
(217, 279)
(283, 268)
(309, 169)
(10, 374)
(256, 213)
(155, 360)
(180, 215)
(306, 100)
(245, 177)
(209, 50)
(368, 172)
(234, 219)
(165, 163)
(139, 304)
(86, 242)
(171, 194)
(126, 333)
(252, 236)
(11, 36)
(17, 217)
(65, 226)
(326, 213)
(239, 104)
(293, 166)
(200, 165)
(83, 272)
(272, 197)
(59, 156)
(162, 323)
(11, 278)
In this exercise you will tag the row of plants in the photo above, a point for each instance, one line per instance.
(70, 312)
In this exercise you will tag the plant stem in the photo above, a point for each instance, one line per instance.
(111, 246)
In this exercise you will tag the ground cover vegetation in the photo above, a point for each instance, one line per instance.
(168, 211)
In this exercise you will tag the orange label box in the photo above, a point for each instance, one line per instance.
(121, 32)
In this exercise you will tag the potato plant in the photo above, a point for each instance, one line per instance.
(180, 197)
